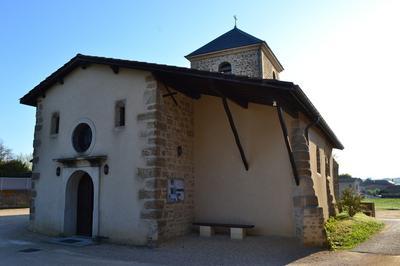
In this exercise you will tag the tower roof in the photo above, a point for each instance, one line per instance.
(236, 38)
(231, 39)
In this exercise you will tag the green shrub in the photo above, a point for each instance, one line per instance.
(342, 216)
(13, 168)
(350, 202)
(346, 233)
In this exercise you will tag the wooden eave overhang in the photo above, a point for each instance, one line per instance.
(194, 83)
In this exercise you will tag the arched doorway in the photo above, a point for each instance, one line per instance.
(80, 203)
(84, 208)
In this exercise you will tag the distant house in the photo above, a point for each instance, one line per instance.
(137, 151)
(391, 192)
(352, 183)
(370, 184)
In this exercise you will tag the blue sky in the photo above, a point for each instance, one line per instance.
(316, 41)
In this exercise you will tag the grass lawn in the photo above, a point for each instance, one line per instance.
(346, 232)
(385, 204)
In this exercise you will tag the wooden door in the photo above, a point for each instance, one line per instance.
(84, 217)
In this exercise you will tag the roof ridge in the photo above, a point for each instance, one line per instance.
(233, 38)
(248, 34)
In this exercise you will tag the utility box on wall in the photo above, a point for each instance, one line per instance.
(176, 190)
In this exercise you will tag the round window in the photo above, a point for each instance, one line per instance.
(82, 137)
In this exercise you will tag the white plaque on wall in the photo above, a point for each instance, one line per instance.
(176, 190)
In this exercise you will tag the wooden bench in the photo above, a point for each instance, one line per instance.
(238, 231)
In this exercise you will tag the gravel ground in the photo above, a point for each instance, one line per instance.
(188, 250)
(388, 214)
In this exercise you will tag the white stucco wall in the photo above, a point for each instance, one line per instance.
(91, 94)
(224, 191)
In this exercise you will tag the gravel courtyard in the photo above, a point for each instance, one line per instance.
(189, 250)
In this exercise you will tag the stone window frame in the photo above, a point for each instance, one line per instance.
(273, 75)
(318, 155)
(55, 124)
(120, 114)
(82, 137)
(91, 124)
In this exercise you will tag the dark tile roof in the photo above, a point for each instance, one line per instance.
(194, 82)
(232, 39)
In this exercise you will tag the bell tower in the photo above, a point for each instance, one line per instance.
(239, 53)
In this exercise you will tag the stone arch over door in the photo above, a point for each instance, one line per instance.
(80, 184)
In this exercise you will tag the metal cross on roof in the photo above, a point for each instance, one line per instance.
(235, 18)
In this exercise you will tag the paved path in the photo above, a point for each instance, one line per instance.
(386, 242)
(381, 249)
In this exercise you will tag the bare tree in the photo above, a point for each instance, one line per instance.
(5, 153)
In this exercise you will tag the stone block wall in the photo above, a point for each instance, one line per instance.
(15, 199)
(166, 126)
(309, 217)
(243, 62)
(35, 160)
(268, 68)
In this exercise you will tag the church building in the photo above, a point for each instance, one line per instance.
(139, 153)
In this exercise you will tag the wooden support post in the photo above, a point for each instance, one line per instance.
(286, 138)
(235, 134)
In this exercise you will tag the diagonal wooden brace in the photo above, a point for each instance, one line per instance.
(288, 147)
(234, 131)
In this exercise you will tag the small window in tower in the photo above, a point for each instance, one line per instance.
(55, 123)
(120, 113)
(225, 68)
(273, 75)
(318, 161)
